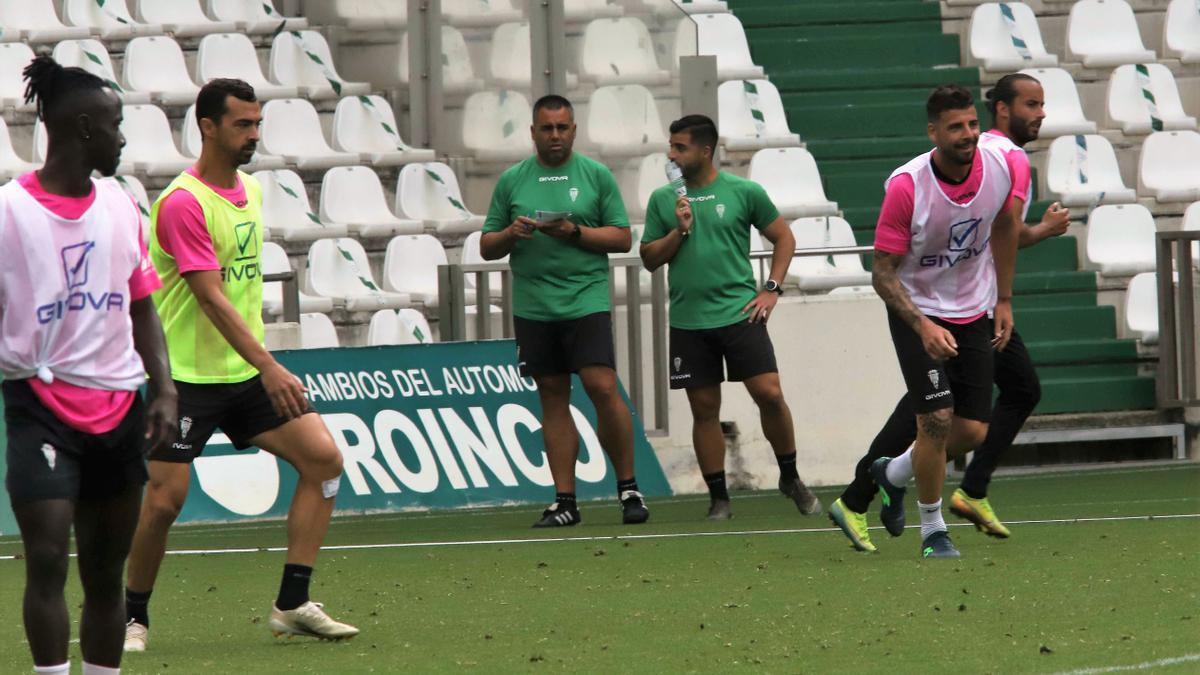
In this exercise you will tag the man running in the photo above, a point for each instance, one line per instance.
(78, 332)
(206, 241)
(718, 315)
(1016, 104)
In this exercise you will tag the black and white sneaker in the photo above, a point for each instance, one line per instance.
(633, 508)
(559, 516)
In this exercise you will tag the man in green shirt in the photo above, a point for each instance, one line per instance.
(558, 215)
(717, 310)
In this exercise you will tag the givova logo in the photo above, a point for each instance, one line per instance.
(76, 262)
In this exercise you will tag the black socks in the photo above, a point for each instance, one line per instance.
(293, 589)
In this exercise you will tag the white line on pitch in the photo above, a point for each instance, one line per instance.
(1173, 661)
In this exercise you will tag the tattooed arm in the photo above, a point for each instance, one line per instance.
(938, 341)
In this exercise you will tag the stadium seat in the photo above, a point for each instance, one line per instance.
(622, 120)
(317, 332)
(1169, 168)
(472, 256)
(1129, 108)
(720, 35)
(1099, 182)
(292, 64)
(1104, 33)
(11, 164)
(1181, 31)
(149, 145)
(352, 196)
(822, 273)
(476, 14)
(155, 66)
(254, 16)
(274, 261)
(620, 51)
(35, 21)
(673, 7)
(639, 179)
(291, 129)
(192, 142)
(458, 75)
(39, 142)
(1009, 42)
(366, 126)
(791, 179)
(134, 188)
(429, 192)
(752, 116)
(495, 126)
(286, 209)
(91, 56)
(410, 266)
(359, 15)
(398, 327)
(1120, 239)
(111, 19)
(233, 55)
(1141, 307)
(338, 269)
(587, 10)
(1064, 112)
(181, 18)
(14, 56)
(620, 274)
(509, 61)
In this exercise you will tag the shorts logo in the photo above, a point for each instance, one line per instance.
(50, 453)
(678, 363)
(185, 425)
(574, 192)
(721, 211)
(75, 260)
(933, 378)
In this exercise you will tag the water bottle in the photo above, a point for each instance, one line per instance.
(675, 176)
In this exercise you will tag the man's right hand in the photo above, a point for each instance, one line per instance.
(522, 228)
(683, 214)
(285, 390)
(939, 343)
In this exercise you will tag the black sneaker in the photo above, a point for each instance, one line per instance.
(891, 511)
(559, 516)
(798, 492)
(938, 545)
(633, 508)
(719, 510)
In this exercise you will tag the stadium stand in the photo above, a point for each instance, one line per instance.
(619, 51)
(1145, 98)
(790, 177)
(155, 67)
(429, 192)
(181, 18)
(254, 16)
(149, 144)
(398, 327)
(286, 208)
(110, 19)
(275, 261)
(1082, 170)
(822, 273)
(1141, 307)
(1120, 239)
(1064, 112)
(354, 197)
(1169, 168)
(35, 21)
(338, 269)
(1005, 36)
(752, 116)
(1181, 31)
(233, 55)
(720, 35)
(317, 331)
(410, 267)
(1104, 33)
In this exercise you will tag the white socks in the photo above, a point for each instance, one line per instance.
(89, 669)
(65, 669)
(60, 669)
(900, 469)
(931, 518)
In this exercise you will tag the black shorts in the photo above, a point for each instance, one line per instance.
(963, 383)
(561, 347)
(241, 410)
(696, 355)
(49, 460)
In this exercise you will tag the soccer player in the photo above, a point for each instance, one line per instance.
(718, 314)
(560, 297)
(1016, 104)
(78, 333)
(945, 252)
(206, 241)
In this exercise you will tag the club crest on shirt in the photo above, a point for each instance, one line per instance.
(574, 192)
(721, 211)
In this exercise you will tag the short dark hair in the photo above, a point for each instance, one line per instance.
(47, 82)
(701, 128)
(552, 102)
(947, 97)
(1005, 91)
(210, 102)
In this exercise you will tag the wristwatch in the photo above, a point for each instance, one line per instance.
(684, 234)
(773, 286)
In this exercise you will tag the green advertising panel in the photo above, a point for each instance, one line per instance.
(420, 427)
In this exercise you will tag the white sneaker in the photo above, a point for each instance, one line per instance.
(309, 619)
(136, 636)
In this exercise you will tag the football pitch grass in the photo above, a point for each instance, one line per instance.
(1103, 574)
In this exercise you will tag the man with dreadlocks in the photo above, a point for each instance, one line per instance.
(78, 333)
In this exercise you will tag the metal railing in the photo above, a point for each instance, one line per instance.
(291, 294)
(1176, 319)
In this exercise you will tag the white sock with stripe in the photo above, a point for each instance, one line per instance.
(60, 669)
(900, 469)
(931, 518)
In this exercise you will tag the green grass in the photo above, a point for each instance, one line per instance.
(1096, 593)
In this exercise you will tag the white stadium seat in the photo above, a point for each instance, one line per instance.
(155, 66)
(620, 274)
(639, 180)
(1141, 307)
(366, 126)
(587, 10)
(14, 56)
(1064, 112)
(286, 209)
(192, 142)
(1099, 181)
(472, 256)
(1129, 109)
(822, 273)
(509, 58)
(1104, 33)
(352, 196)
(791, 179)
(1120, 239)
(35, 21)
(252, 16)
(359, 15)
(429, 192)
(110, 19)
(149, 145)
(291, 129)
(720, 35)
(458, 75)
(11, 164)
(1191, 223)
(673, 7)
(338, 269)
(291, 65)
(398, 327)
(476, 14)
(623, 120)
(1000, 45)
(317, 332)
(1181, 31)
(40, 142)
(91, 56)
(620, 51)
(1169, 168)
(181, 18)
(233, 55)
(495, 126)
(134, 188)
(752, 116)
(410, 266)
(274, 261)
